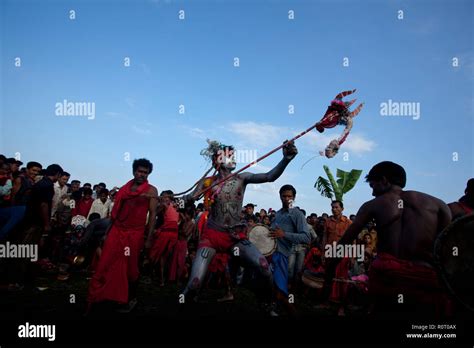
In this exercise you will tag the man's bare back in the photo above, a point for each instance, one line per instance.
(408, 223)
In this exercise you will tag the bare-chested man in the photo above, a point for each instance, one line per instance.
(223, 231)
(408, 223)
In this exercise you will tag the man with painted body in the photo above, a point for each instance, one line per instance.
(224, 231)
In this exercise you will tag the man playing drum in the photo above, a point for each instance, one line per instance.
(289, 227)
(223, 231)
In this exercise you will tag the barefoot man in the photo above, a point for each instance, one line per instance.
(117, 272)
(223, 231)
(402, 278)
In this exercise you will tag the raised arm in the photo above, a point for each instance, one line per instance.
(289, 152)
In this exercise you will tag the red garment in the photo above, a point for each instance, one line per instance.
(166, 236)
(390, 276)
(82, 207)
(171, 219)
(118, 264)
(221, 241)
(219, 263)
(202, 222)
(339, 289)
(467, 209)
(178, 261)
(313, 255)
(129, 207)
(163, 244)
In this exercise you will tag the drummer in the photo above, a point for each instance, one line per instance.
(288, 228)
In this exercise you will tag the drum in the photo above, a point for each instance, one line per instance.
(79, 220)
(454, 258)
(312, 281)
(258, 236)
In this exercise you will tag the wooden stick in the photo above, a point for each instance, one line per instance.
(254, 162)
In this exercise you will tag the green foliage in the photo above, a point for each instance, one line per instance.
(337, 188)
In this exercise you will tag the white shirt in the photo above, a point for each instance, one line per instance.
(101, 208)
(6, 189)
(59, 192)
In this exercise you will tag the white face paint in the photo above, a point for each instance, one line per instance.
(226, 158)
(229, 161)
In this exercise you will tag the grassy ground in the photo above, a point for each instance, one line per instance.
(67, 300)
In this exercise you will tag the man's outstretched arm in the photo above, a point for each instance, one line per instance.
(289, 152)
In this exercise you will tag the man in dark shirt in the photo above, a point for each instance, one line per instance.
(20, 196)
(36, 223)
(38, 211)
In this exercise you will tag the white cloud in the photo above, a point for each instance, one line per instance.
(139, 130)
(268, 190)
(358, 144)
(251, 134)
(258, 134)
(354, 143)
(261, 168)
(196, 132)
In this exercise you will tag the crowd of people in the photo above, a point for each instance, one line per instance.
(81, 227)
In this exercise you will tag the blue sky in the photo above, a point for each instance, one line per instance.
(190, 62)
